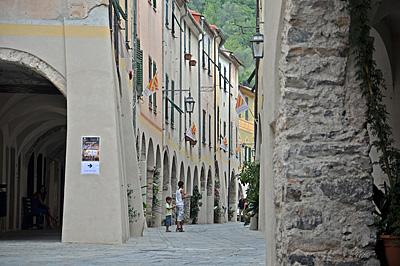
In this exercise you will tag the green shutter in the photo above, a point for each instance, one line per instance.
(166, 97)
(139, 68)
(154, 3)
(166, 12)
(150, 68)
(173, 100)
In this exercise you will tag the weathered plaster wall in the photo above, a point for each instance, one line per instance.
(322, 183)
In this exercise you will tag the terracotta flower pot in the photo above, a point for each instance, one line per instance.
(192, 62)
(392, 249)
(188, 56)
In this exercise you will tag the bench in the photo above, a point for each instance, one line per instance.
(31, 220)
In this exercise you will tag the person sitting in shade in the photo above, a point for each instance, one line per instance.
(38, 206)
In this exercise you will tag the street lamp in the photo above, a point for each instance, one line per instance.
(257, 45)
(189, 104)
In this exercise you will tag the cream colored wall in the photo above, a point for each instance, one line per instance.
(269, 90)
(94, 109)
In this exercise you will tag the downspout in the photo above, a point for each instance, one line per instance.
(199, 81)
(134, 66)
(229, 134)
(215, 97)
(180, 75)
(163, 91)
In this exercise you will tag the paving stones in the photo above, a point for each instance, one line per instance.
(215, 244)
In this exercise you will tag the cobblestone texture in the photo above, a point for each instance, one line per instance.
(219, 244)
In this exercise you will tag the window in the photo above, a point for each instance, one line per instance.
(166, 13)
(203, 136)
(190, 36)
(139, 68)
(166, 97)
(173, 18)
(150, 77)
(218, 123)
(184, 37)
(236, 141)
(209, 130)
(154, 94)
(154, 3)
(224, 129)
(173, 100)
(225, 79)
(209, 60)
(203, 59)
(246, 116)
(230, 136)
(220, 75)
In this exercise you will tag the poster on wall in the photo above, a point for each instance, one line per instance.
(90, 164)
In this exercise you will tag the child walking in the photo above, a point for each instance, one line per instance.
(168, 213)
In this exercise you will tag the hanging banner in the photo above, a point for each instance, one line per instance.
(224, 144)
(90, 162)
(191, 133)
(152, 87)
(241, 105)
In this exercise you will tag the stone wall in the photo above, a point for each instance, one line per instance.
(323, 182)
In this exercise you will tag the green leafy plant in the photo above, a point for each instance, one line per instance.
(372, 84)
(250, 176)
(195, 204)
(156, 191)
(230, 213)
(217, 208)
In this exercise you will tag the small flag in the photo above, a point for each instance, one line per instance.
(224, 144)
(152, 87)
(241, 105)
(239, 148)
(191, 133)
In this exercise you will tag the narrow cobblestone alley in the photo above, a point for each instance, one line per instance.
(219, 244)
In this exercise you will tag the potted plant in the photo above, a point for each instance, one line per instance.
(188, 56)
(230, 214)
(217, 208)
(250, 176)
(195, 204)
(372, 86)
(192, 62)
(388, 220)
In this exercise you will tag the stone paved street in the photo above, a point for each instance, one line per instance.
(219, 244)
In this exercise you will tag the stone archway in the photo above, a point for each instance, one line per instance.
(149, 184)
(33, 119)
(157, 190)
(210, 198)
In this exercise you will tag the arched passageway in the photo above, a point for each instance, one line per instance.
(149, 184)
(33, 119)
(210, 198)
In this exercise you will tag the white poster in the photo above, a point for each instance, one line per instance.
(90, 164)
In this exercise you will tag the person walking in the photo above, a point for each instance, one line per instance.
(180, 196)
(241, 204)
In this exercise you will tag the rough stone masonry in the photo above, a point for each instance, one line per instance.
(321, 157)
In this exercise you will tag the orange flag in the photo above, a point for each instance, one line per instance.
(152, 87)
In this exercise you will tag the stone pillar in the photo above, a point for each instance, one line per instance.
(322, 170)
(95, 206)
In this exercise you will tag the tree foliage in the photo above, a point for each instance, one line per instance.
(250, 176)
(236, 19)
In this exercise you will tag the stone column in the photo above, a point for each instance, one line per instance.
(322, 170)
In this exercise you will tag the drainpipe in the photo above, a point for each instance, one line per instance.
(215, 97)
(163, 91)
(180, 74)
(134, 66)
(199, 80)
(229, 134)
